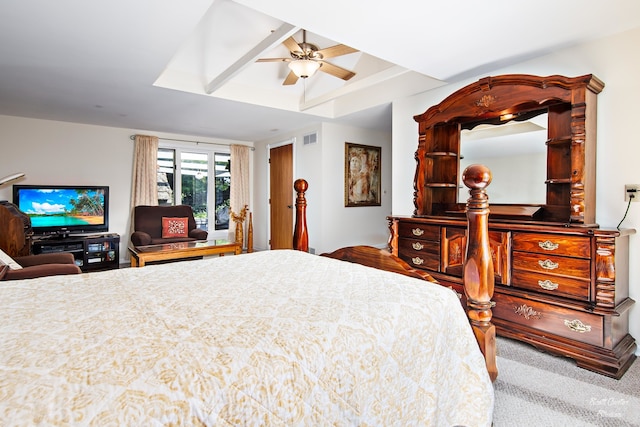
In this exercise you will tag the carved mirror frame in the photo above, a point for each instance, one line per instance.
(571, 143)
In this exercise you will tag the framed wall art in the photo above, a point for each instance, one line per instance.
(361, 175)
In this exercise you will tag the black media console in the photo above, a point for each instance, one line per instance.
(92, 252)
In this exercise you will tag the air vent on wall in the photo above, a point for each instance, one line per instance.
(311, 138)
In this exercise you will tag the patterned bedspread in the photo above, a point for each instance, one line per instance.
(270, 338)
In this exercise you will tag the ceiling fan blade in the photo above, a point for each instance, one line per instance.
(292, 45)
(336, 71)
(273, 60)
(337, 50)
(291, 79)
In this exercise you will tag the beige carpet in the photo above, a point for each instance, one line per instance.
(534, 388)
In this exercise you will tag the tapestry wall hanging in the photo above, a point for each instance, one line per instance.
(361, 175)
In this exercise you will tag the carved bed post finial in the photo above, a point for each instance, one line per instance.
(300, 234)
(478, 265)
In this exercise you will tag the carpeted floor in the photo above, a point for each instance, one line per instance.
(534, 388)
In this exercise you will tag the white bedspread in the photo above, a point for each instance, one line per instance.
(269, 338)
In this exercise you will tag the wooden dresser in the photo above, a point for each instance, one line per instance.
(561, 282)
(15, 230)
(561, 289)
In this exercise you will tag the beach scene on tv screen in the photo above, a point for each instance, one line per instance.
(63, 207)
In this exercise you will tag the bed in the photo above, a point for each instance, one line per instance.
(268, 338)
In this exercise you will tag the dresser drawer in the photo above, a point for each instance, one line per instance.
(420, 253)
(419, 231)
(552, 285)
(548, 318)
(555, 265)
(419, 247)
(553, 244)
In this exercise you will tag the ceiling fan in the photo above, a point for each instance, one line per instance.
(306, 59)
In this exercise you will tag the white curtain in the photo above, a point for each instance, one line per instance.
(239, 185)
(144, 184)
(144, 181)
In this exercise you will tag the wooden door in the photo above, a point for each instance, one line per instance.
(281, 196)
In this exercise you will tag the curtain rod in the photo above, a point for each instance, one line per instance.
(133, 137)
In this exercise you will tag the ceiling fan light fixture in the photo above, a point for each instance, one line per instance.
(304, 68)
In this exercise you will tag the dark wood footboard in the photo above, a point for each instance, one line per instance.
(380, 259)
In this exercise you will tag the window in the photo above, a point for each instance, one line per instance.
(183, 178)
(166, 168)
(222, 162)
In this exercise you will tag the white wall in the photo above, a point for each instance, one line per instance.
(348, 226)
(515, 178)
(51, 152)
(616, 61)
(331, 225)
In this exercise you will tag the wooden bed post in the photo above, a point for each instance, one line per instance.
(300, 234)
(478, 264)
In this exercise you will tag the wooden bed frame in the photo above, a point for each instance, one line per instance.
(478, 276)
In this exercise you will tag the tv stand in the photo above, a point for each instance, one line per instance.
(93, 252)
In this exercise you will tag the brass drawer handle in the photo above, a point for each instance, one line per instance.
(548, 285)
(417, 246)
(527, 312)
(417, 260)
(547, 264)
(577, 326)
(548, 245)
(417, 231)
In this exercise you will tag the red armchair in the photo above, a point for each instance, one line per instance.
(33, 266)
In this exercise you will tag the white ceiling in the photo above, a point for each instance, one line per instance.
(147, 64)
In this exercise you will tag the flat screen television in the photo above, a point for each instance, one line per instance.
(64, 209)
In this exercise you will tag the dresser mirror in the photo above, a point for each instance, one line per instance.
(516, 154)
